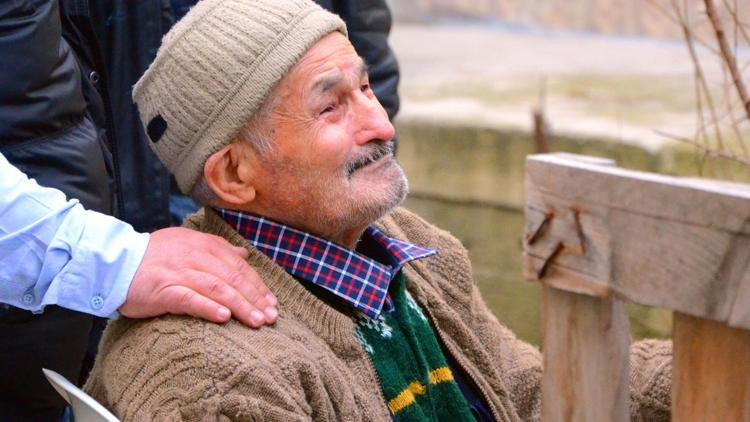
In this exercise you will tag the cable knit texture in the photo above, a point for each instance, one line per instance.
(214, 69)
(309, 364)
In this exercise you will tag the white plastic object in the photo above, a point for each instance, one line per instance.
(84, 407)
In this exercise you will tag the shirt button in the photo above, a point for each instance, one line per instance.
(97, 302)
(28, 299)
(94, 77)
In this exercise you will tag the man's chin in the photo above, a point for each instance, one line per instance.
(395, 193)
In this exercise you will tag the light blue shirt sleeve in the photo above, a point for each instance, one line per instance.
(52, 251)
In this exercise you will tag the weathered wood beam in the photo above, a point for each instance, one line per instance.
(681, 244)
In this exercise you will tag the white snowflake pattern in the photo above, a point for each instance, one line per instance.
(377, 324)
(413, 305)
(361, 339)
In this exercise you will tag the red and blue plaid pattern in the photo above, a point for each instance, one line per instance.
(361, 281)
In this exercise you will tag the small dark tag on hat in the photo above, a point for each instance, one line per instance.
(156, 128)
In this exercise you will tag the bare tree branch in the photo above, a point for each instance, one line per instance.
(740, 26)
(678, 21)
(699, 75)
(707, 151)
(730, 112)
(728, 57)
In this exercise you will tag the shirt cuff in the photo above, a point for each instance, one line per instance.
(102, 266)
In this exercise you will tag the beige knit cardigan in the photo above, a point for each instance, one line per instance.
(309, 365)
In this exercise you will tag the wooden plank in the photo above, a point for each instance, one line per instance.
(711, 371)
(655, 240)
(653, 262)
(586, 358)
(585, 159)
(724, 206)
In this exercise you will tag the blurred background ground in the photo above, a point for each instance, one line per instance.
(611, 76)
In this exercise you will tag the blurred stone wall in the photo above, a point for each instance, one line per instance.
(613, 17)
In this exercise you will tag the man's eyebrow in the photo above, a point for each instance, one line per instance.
(328, 82)
(363, 68)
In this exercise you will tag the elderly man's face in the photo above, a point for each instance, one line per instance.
(331, 170)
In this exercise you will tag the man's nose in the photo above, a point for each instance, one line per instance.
(372, 121)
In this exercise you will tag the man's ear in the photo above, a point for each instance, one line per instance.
(229, 173)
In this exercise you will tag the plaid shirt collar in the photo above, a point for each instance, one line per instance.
(361, 281)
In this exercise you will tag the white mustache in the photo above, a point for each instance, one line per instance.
(378, 151)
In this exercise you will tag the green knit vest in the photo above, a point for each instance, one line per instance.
(417, 383)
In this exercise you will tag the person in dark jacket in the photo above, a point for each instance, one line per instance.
(52, 124)
(125, 35)
(57, 126)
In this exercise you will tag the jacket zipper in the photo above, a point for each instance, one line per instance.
(459, 359)
(377, 377)
(380, 384)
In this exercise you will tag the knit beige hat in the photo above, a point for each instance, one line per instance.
(215, 68)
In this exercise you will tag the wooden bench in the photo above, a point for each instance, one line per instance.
(597, 236)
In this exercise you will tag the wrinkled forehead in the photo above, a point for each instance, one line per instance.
(328, 61)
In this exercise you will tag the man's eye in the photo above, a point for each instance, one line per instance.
(329, 108)
(364, 87)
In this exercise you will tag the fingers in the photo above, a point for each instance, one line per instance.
(248, 283)
(220, 291)
(242, 252)
(229, 280)
(219, 259)
(183, 300)
(218, 246)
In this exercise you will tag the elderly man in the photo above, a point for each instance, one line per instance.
(263, 111)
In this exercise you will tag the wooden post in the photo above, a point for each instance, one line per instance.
(586, 358)
(711, 371)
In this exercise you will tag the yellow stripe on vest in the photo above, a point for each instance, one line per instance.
(439, 375)
(407, 397)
